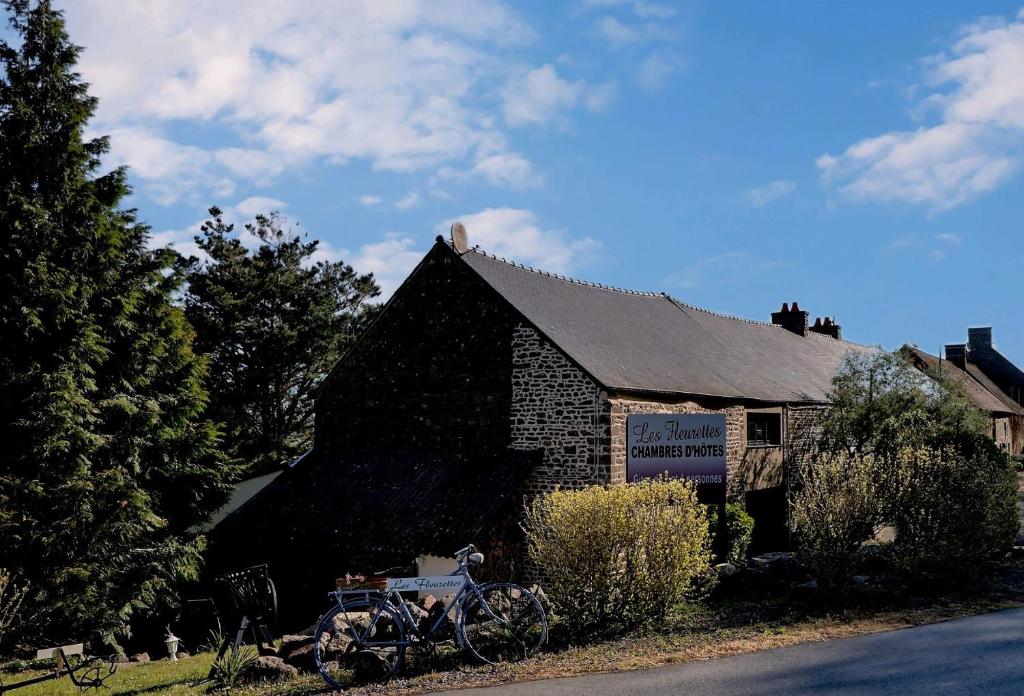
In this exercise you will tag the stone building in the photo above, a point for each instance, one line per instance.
(993, 383)
(482, 382)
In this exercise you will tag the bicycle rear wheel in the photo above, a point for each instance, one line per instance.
(361, 640)
(502, 623)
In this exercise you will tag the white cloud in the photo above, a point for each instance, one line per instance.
(948, 238)
(183, 240)
(403, 86)
(617, 33)
(722, 268)
(368, 200)
(938, 255)
(975, 146)
(763, 195)
(656, 69)
(539, 96)
(390, 260)
(408, 201)
(515, 234)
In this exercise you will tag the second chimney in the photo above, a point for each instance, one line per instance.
(956, 353)
(794, 319)
(827, 327)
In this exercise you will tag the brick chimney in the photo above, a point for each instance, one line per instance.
(979, 339)
(956, 353)
(791, 319)
(827, 327)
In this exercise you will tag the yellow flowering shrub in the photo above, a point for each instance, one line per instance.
(614, 557)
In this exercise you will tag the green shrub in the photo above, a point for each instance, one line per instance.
(954, 509)
(616, 557)
(739, 528)
(834, 512)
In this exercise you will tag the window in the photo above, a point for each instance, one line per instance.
(764, 429)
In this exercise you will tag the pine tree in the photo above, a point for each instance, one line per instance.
(106, 458)
(273, 322)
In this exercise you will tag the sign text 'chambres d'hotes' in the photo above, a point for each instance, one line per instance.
(690, 446)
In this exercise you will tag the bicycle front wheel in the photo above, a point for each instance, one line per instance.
(361, 640)
(502, 622)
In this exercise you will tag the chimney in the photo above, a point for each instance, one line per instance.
(460, 240)
(794, 319)
(980, 339)
(956, 353)
(827, 327)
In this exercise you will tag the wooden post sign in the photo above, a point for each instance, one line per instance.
(690, 446)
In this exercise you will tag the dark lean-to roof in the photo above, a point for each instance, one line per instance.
(649, 342)
(982, 392)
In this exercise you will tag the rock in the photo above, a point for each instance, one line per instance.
(291, 643)
(542, 597)
(337, 646)
(779, 565)
(809, 586)
(426, 601)
(726, 569)
(447, 627)
(302, 658)
(140, 657)
(369, 666)
(268, 668)
(859, 580)
(181, 655)
(417, 612)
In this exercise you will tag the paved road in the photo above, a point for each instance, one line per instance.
(976, 655)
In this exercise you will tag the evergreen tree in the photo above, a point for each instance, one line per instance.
(273, 322)
(106, 458)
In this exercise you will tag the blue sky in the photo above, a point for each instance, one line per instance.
(862, 158)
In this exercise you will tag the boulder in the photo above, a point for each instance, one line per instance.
(447, 628)
(779, 565)
(542, 597)
(302, 658)
(369, 666)
(726, 570)
(426, 601)
(268, 668)
(181, 655)
(417, 612)
(140, 657)
(291, 643)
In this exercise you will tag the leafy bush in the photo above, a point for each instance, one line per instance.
(954, 509)
(613, 558)
(12, 594)
(739, 528)
(905, 447)
(834, 512)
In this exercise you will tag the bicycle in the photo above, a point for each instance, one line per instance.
(366, 635)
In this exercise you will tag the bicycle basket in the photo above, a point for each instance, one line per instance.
(252, 591)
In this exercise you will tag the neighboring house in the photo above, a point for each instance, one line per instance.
(482, 382)
(993, 383)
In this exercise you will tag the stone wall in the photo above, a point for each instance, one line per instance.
(556, 407)
(621, 408)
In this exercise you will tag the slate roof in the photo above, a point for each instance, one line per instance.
(383, 502)
(983, 394)
(650, 342)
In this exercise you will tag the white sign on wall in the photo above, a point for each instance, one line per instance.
(690, 446)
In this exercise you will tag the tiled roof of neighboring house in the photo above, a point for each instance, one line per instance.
(649, 342)
(385, 502)
(983, 394)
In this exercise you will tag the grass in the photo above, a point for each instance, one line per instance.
(709, 630)
(161, 678)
